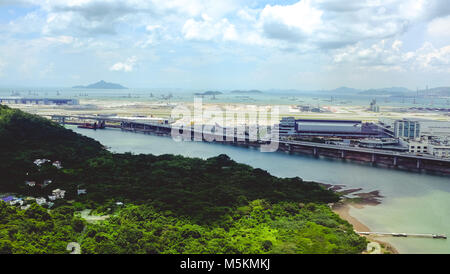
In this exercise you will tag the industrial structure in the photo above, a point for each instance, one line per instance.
(38, 101)
(373, 106)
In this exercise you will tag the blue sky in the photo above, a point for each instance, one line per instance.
(226, 44)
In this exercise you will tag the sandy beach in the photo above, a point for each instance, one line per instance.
(343, 210)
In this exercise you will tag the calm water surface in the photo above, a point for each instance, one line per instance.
(413, 203)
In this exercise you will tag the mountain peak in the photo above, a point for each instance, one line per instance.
(102, 85)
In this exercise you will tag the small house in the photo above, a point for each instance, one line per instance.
(40, 201)
(30, 183)
(25, 207)
(16, 202)
(81, 191)
(58, 193)
(40, 162)
(57, 164)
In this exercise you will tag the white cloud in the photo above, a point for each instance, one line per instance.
(152, 27)
(331, 24)
(435, 59)
(379, 56)
(208, 29)
(397, 45)
(247, 14)
(387, 56)
(126, 66)
(367, 34)
(61, 39)
(290, 22)
(439, 27)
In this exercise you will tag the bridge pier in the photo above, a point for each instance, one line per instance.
(373, 158)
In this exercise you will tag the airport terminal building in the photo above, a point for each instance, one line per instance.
(289, 126)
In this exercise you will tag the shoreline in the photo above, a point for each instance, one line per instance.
(343, 210)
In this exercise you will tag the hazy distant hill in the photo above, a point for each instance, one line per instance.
(393, 91)
(345, 90)
(102, 85)
(208, 93)
(254, 91)
(440, 91)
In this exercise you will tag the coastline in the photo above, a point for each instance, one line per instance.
(343, 210)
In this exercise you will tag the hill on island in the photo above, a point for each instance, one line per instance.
(102, 85)
(168, 204)
(254, 91)
(208, 93)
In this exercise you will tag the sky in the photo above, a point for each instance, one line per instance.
(226, 44)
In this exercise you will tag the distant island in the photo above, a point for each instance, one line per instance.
(401, 91)
(102, 85)
(254, 91)
(213, 93)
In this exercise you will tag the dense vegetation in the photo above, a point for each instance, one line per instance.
(173, 204)
(25, 137)
(36, 230)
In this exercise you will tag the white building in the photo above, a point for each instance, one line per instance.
(40, 201)
(441, 151)
(16, 202)
(419, 147)
(58, 193)
(30, 183)
(406, 128)
(57, 164)
(25, 207)
(416, 128)
(40, 162)
(81, 191)
(435, 147)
